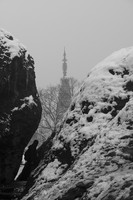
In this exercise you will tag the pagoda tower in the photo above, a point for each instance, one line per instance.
(64, 98)
(64, 66)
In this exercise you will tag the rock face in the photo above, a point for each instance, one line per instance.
(91, 156)
(20, 108)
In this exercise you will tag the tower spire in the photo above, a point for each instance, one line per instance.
(64, 66)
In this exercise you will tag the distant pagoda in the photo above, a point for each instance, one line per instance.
(64, 98)
(64, 66)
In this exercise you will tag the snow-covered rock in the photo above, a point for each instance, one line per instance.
(91, 156)
(20, 108)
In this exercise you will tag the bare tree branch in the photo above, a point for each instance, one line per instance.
(55, 101)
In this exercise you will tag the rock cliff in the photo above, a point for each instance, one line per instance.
(91, 156)
(20, 108)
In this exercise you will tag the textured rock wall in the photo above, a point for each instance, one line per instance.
(91, 156)
(20, 108)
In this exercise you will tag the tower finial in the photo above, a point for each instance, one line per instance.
(64, 66)
(64, 52)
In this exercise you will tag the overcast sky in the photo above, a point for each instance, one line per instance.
(90, 30)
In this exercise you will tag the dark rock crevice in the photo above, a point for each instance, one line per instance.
(77, 191)
(129, 86)
(120, 104)
(89, 119)
(71, 121)
(122, 73)
(85, 106)
(106, 110)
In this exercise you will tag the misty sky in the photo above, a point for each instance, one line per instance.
(90, 30)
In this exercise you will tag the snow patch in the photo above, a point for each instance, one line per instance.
(28, 101)
(52, 171)
(12, 45)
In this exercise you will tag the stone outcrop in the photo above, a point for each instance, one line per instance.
(20, 108)
(91, 156)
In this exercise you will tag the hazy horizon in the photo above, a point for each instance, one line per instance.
(90, 30)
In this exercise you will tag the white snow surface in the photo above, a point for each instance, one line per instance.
(27, 101)
(98, 129)
(12, 45)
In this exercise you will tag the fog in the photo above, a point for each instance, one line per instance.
(89, 30)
